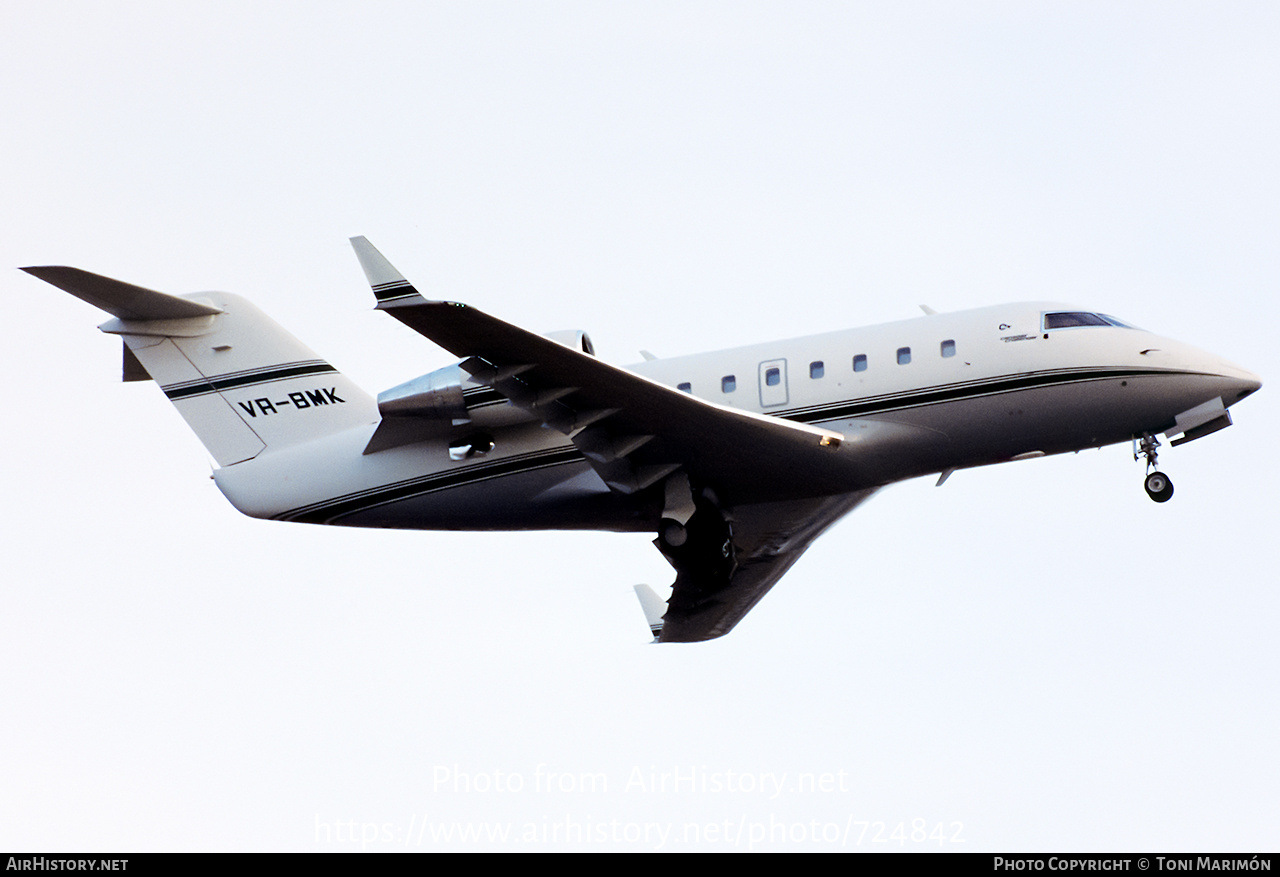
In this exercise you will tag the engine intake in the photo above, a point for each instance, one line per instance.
(575, 338)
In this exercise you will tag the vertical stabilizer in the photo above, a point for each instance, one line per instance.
(243, 384)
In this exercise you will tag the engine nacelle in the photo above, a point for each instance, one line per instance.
(436, 396)
(575, 338)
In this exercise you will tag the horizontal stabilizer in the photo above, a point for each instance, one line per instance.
(241, 382)
(122, 300)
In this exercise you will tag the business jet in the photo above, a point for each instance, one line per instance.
(736, 460)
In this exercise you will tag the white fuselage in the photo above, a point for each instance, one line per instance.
(915, 397)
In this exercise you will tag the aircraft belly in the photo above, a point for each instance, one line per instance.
(532, 481)
(887, 449)
(1055, 419)
(531, 500)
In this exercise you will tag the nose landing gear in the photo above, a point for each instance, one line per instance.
(1158, 485)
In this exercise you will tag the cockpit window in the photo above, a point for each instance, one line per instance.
(1072, 319)
(1077, 319)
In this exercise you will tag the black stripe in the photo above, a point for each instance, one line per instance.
(249, 378)
(248, 371)
(482, 396)
(394, 291)
(957, 392)
(341, 506)
(478, 397)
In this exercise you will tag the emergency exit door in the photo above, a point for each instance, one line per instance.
(773, 383)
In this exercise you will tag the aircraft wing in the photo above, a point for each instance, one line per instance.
(712, 594)
(633, 430)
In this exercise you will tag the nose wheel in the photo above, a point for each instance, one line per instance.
(1158, 485)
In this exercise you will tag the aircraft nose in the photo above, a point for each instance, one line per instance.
(1243, 383)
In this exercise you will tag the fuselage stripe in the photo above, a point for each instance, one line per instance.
(328, 510)
(248, 378)
(478, 397)
(956, 392)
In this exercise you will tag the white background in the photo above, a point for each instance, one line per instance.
(1034, 657)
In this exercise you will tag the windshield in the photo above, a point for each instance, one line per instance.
(1079, 319)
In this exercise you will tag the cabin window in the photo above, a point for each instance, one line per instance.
(949, 347)
(685, 387)
(772, 377)
(728, 384)
(904, 355)
(817, 369)
(860, 362)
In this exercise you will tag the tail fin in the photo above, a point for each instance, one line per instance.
(242, 383)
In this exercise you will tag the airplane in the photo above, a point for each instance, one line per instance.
(736, 460)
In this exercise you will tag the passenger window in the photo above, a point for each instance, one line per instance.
(904, 355)
(949, 348)
(728, 384)
(772, 377)
(817, 369)
(860, 362)
(685, 387)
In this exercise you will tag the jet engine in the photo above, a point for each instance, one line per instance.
(575, 338)
(433, 404)
(435, 396)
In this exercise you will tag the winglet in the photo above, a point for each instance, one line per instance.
(653, 608)
(122, 300)
(389, 285)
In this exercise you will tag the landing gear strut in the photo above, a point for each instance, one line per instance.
(1158, 485)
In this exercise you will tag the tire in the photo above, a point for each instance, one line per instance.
(673, 534)
(1158, 487)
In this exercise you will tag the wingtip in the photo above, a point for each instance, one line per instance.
(40, 270)
(389, 286)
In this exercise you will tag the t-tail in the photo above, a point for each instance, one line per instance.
(243, 384)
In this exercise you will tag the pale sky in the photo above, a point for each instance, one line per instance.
(1033, 657)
